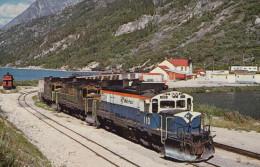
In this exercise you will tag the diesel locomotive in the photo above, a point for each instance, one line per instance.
(149, 114)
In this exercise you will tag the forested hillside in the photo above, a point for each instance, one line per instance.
(134, 33)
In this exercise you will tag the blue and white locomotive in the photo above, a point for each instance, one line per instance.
(144, 112)
(163, 120)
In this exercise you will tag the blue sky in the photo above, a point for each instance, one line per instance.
(9, 9)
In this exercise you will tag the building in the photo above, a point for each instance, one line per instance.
(152, 77)
(201, 72)
(173, 69)
(244, 68)
(183, 65)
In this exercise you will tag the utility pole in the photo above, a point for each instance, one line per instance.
(243, 59)
(213, 69)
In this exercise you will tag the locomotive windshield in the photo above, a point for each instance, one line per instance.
(180, 104)
(167, 104)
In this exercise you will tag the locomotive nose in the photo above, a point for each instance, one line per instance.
(177, 153)
(184, 154)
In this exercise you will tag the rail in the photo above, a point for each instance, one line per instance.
(27, 105)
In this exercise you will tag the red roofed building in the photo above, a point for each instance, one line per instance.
(183, 65)
(172, 68)
(201, 72)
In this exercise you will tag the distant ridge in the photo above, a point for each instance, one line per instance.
(41, 8)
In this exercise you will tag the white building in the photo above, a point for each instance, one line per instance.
(245, 68)
(153, 77)
(234, 78)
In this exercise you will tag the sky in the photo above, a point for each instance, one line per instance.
(9, 9)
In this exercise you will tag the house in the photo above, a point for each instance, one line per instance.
(183, 65)
(173, 69)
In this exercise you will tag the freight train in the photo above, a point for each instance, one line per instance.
(149, 114)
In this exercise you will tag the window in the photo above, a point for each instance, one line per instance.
(180, 104)
(189, 104)
(185, 68)
(84, 92)
(181, 68)
(146, 107)
(167, 104)
(154, 105)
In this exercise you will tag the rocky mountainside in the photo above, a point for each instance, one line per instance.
(132, 33)
(41, 8)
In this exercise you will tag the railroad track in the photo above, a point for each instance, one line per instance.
(203, 164)
(26, 106)
(237, 150)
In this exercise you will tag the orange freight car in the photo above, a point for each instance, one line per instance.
(8, 81)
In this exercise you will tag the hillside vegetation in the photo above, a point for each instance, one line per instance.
(134, 33)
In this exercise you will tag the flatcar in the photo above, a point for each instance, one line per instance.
(156, 118)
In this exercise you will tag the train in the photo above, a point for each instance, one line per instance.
(8, 82)
(144, 112)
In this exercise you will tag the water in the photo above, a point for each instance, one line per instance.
(246, 103)
(29, 74)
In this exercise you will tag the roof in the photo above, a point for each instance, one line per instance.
(179, 62)
(201, 70)
(163, 67)
(153, 74)
(176, 71)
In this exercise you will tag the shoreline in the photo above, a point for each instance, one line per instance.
(242, 88)
(29, 68)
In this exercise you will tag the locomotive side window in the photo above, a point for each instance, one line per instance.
(146, 107)
(84, 92)
(180, 104)
(189, 104)
(167, 104)
(154, 105)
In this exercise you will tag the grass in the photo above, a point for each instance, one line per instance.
(219, 89)
(225, 118)
(15, 149)
(16, 90)
(24, 83)
(41, 104)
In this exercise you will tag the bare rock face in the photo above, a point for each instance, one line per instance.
(132, 26)
(41, 8)
(257, 21)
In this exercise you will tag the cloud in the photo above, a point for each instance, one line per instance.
(4, 21)
(10, 11)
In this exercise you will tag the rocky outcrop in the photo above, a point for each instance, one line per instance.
(41, 8)
(136, 25)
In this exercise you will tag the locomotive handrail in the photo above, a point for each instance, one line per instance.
(160, 116)
(166, 125)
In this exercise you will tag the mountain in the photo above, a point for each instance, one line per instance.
(132, 33)
(41, 8)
